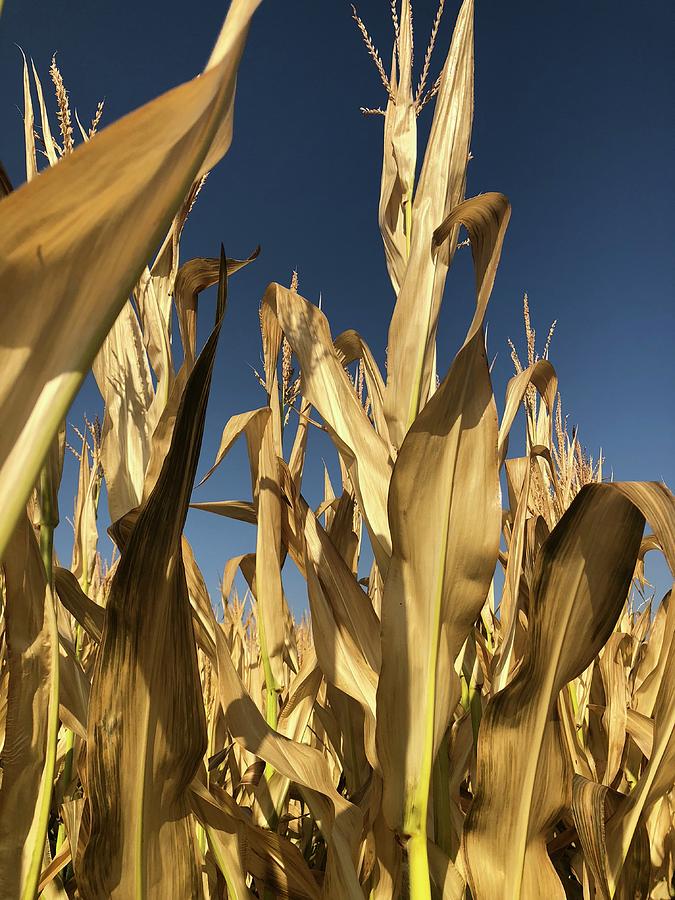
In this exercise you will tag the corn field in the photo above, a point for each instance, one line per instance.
(488, 713)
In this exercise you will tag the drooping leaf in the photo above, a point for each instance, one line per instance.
(75, 240)
(582, 577)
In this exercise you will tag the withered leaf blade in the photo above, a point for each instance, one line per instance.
(32, 715)
(88, 614)
(581, 581)
(147, 728)
(193, 277)
(445, 516)
(326, 385)
(412, 331)
(339, 820)
(79, 261)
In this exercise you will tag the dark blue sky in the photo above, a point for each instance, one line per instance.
(573, 122)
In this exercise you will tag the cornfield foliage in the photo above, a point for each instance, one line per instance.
(430, 730)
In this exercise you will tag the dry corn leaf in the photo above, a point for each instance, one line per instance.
(412, 333)
(252, 424)
(74, 690)
(292, 723)
(542, 375)
(657, 504)
(591, 805)
(226, 842)
(352, 347)
(340, 659)
(86, 508)
(509, 606)
(28, 124)
(124, 379)
(399, 154)
(88, 614)
(445, 518)
(581, 581)
(79, 260)
(350, 606)
(193, 277)
(139, 763)
(641, 729)
(612, 669)
(28, 754)
(326, 385)
(270, 858)
(241, 510)
(337, 818)
(268, 561)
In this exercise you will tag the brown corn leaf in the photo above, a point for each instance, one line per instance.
(86, 509)
(193, 277)
(28, 755)
(399, 155)
(657, 504)
(268, 593)
(445, 518)
(252, 425)
(612, 669)
(28, 124)
(412, 332)
(542, 375)
(582, 576)
(326, 385)
(352, 346)
(351, 608)
(241, 510)
(147, 735)
(270, 858)
(123, 376)
(88, 614)
(340, 659)
(74, 690)
(292, 723)
(641, 729)
(226, 840)
(592, 803)
(307, 767)
(79, 259)
(62, 858)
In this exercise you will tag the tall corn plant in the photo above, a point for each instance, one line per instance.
(427, 732)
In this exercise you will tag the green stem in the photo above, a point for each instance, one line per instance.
(418, 866)
(571, 687)
(415, 820)
(47, 524)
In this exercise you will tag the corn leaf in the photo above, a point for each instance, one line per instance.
(139, 762)
(582, 577)
(78, 261)
(445, 517)
(28, 755)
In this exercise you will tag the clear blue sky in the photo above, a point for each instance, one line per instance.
(573, 122)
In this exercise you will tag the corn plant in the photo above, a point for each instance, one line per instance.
(488, 713)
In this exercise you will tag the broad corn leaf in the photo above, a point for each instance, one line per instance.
(67, 266)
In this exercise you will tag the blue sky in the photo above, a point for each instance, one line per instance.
(572, 123)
